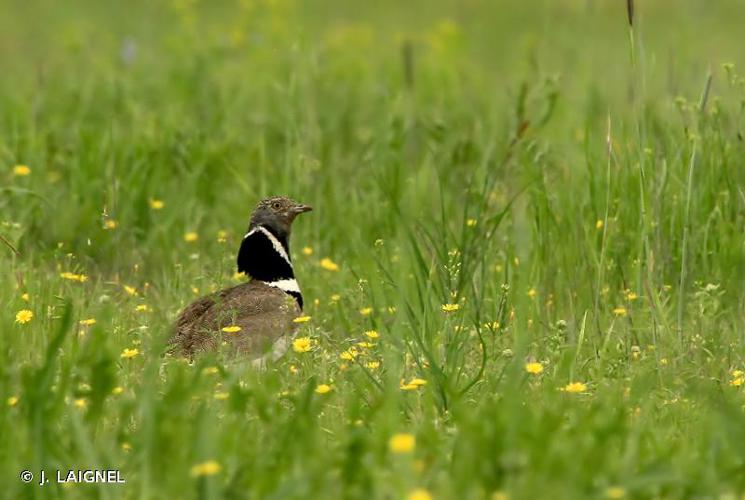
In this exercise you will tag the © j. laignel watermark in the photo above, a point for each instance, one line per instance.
(73, 476)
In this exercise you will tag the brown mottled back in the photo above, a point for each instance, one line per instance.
(265, 315)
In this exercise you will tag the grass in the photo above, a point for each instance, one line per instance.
(524, 186)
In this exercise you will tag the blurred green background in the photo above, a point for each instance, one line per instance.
(540, 212)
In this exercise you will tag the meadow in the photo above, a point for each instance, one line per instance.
(524, 273)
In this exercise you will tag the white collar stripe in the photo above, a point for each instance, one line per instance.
(275, 242)
(285, 285)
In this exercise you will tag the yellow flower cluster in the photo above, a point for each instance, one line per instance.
(74, 277)
(450, 307)
(21, 171)
(323, 389)
(24, 316)
(534, 368)
(419, 494)
(402, 443)
(574, 387)
(329, 264)
(208, 468)
(302, 344)
(413, 384)
(129, 353)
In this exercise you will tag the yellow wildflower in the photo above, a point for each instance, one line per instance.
(25, 297)
(620, 312)
(231, 329)
(88, 322)
(142, 308)
(599, 224)
(221, 395)
(110, 224)
(532, 293)
(126, 447)
(349, 354)
(208, 468)
(130, 290)
(329, 264)
(471, 222)
(630, 296)
(129, 353)
(12, 401)
(574, 387)
(210, 370)
(615, 493)
(372, 365)
(419, 494)
(307, 251)
(366, 311)
(323, 389)
(117, 390)
(402, 443)
(372, 334)
(24, 316)
(74, 277)
(238, 275)
(450, 307)
(21, 171)
(301, 319)
(302, 344)
(335, 297)
(156, 204)
(222, 236)
(534, 368)
(81, 403)
(191, 237)
(413, 384)
(737, 382)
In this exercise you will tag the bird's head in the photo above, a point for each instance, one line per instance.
(277, 214)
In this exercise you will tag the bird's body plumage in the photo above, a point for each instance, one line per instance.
(263, 313)
(253, 320)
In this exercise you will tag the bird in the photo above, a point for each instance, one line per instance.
(254, 320)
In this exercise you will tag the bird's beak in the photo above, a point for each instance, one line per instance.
(300, 208)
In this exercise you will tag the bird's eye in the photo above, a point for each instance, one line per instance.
(276, 205)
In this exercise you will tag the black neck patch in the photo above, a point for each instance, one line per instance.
(259, 259)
